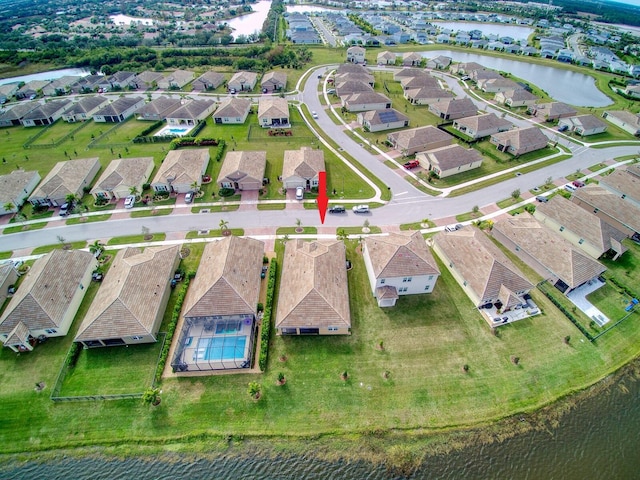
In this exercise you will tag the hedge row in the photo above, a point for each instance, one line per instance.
(266, 317)
(220, 152)
(623, 287)
(172, 328)
(566, 313)
(193, 142)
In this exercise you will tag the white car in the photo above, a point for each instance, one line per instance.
(188, 198)
(314, 114)
(299, 193)
(361, 209)
(129, 201)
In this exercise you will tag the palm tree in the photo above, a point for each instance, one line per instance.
(224, 226)
(342, 235)
(195, 186)
(134, 191)
(96, 248)
(9, 207)
(151, 396)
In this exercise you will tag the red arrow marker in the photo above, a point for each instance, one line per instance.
(323, 200)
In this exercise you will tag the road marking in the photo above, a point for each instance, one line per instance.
(401, 193)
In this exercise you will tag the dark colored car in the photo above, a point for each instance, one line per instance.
(542, 199)
(337, 209)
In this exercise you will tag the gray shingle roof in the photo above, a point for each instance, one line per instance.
(85, 105)
(273, 107)
(159, 106)
(451, 156)
(233, 107)
(47, 109)
(239, 165)
(118, 106)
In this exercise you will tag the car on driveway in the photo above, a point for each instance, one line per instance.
(411, 164)
(542, 199)
(299, 193)
(188, 198)
(578, 183)
(65, 209)
(570, 188)
(563, 128)
(453, 228)
(337, 209)
(361, 209)
(129, 201)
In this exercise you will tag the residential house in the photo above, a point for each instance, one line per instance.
(411, 59)
(192, 112)
(221, 307)
(315, 279)
(453, 109)
(147, 80)
(629, 122)
(362, 76)
(181, 171)
(301, 168)
(243, 81)
(443, 38)
(529, 51)
(552, 111)
(518, 97)
(356, 55)
(59, 86)
(386, 58)
(64, 179)
(632, 91)
(352, 68)
(130, 304)
(232, 110)
(243, 170)
(520, 140)
(422, 80)
(551, 256)
(122, 176)
(625, 183)
(15, 187)
(419, 139)
(582, 228)
(8, 91)
(273, 112)
(31, 89)
(480, 126)
(175, 80)
(47, 300)
(8, 279)
(494, 85)
(119, 81)
(610, 207)
(426, 95)
(399, 264)
(409, 72)
(379, 120)
(13, 116)
(46, 114)
(158, 109)
(118, 110)
(583, 125)
(440, 62)
(352, 86)
(465, 68)
(363, 101)
(208, 81)
(486, 275)
(305, 38)
(84, 109)
(88, 84)
(484, 74)
(275, 81)
(449, 160)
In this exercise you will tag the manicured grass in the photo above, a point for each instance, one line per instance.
(6, 255)
(56, 246)
(358, 230)
(151, 212)
(238, 232)
(464, 217)
(417, 225)
(292, 231)
(506, 203)
(88, 219)
(611, 301)
(596, 167)
(272, 206)
(24, 228)
(156, 237)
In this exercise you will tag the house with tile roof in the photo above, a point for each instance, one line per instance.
(181, 170)
(480, 126)
(15, 188)
(87, 84)
(441, 62)
(273, 112)
(356, 55)
(274, 81)
(158, 109)
(363, 101)
(419, 81)
(315, 279)
(426, 95)
(449, 160)
(47, 299)
(465, 68)
(220, 308)
(582, 228)
(583, 125)
(8, 91)
(386, 58)
(121, 176)
(301, 168)
(84, 108)
(362, 77)
(517, 97)
(232, 110)
(118, 110)
(352, 68)
(453, 109)
(629, 122)
(243, 81)
(409, 72)
(243, 170)
(486, 275)
(31, 89)
(551, 256)
(411, 59)
(130, 304)
(552, 111)
(419, 139)
(399, 264)
(13, 116)
(60, 86)
(208, 81)
(624, 182)
(520, 140)
(119, 81)
(191, 113)
(610, 207)
(65, 178)
(350, 87)
(494, 85)
(380, 120)
(46, 114)
(8, 278)
(147, 80)
(175, 80)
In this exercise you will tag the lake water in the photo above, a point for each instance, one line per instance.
(598, 439)
(50, 75)
(251, 23)
(563, 85)
(514, 31)
(127, 20)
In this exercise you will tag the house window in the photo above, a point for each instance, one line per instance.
(402, 289)
(624, 196)
(581, 241)
(430, 277)
(51, 331)
(595, 210)
(382, 280)
(406, 279)
(332, 329)
(137, 338)
(562, 229)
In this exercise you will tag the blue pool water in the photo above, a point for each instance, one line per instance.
(229, 347)
(177, 131)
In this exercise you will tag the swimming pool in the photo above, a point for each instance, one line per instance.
(172, 130)
(229, 347)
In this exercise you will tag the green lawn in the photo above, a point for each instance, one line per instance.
(238, 232)
(24, 228)
(156, 237)
(56, 246)
(88, 219)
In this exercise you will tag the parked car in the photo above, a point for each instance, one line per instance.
(411, 164)
(466, 77)
(129, 201)
(542, 199)
(453, 228)
(570, 188)
(314, 114)
(563, 128)
(65, 209)
(331, 90)
(361, 209)
(337, 209)
(578, 183)
(188, 198)
(299, 193)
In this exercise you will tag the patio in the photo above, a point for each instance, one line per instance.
(578, 297)
(496, 318)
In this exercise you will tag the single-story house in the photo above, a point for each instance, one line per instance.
(221, 308)
(192, 112)
(423, 80)
(232, 110)
(440, 62)
(130, 304)
(552, 111)
(610, 207)
(119, 110)
(427, 95)
(480, 126)
(419, 139)
(352, 68)
(301, 168)
(274, 81)
(352, 86)
(399, 264)
(550, 255)
(65, 178)
(363, 76)
(494, 85)
(88, 84)
(411, 59)
(379, 120)
(625, 183)
(579, 226)
(32, 88)
(147, 80)
(60, 86)
(47, 300)
(8, 278)
(363, 101)
(8, 91)
(14, 115)
(15, 187)
(243, 81)
(175, 80)
(84, 109)
(449, 160)
(243, 170)
(121, 176)
(629, 122)
(315, 279)
(273, 112)
(208, 81)
(483, 75)
(520, 140)
(465, 68)
(409, 72)
(518, 97)
(487, 276)
(386, 58)
(46, 114)
(454, 108)
(158, 109)
(584, 125)
(119, 81)
(356, 54)
(181, 171)
(632, 91)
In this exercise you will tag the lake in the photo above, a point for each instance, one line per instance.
(50, 75)
(503, 30)
(251, 23)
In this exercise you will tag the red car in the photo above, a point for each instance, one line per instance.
(578, 183)
(411, 164)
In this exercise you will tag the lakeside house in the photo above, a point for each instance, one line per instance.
(15, 188)
(386, 58)
(583, 125)
(64, 179)
(121, 177)
(175, 80)
(242, 81)
(191, 113)
(243, 170)
(449, 160)
(147, 80)
(629, 122)
(552, 111)
(118, 110)
(181, 171)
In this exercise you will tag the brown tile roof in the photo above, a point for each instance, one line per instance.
(554, 253)
(485, 121)
(360, 98)
(233, 107)
(228, 279)
(18, 336)
(451, 156)
(85, 105)
(626, 117)
(273, 107)
(274, 77)
(623, 181)
(519, 95)
(211, 77)
(65, 178)
(43, 298)
(304, 163)
(520, 138)
(132, 295)
(417, 137)
(352, 86)
(410, 72)
(455, 106)
(553, 109)
(411, 56)
(182, 166)
(352, 68)
(314, 283)
(123, 171)
(400, 255)
(239, 165)
(481, 264)
(610, 204)
(386, 55)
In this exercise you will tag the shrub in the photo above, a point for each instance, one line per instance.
(172, 327)
(226, 192)
(266, 317)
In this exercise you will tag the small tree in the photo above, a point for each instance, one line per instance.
(224, 225)
(475, 209)
(281, 379)
(567, 339)
(342, 235)
(195, 186)
(366, 224)
(145, 230)
(515, 194)
(151, 396)
(465, 368)
(96, 248)
(344, 375)
(254, 390)
(61, 240)
(548, 181)
(8, 207)
(134, 191)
